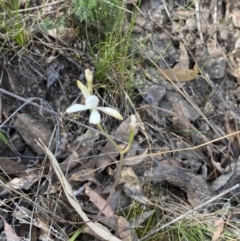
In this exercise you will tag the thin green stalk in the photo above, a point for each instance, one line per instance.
(108, 137)
(121, 152)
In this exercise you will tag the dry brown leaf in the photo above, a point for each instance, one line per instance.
(180, 75)
(236, 17)
(223, 168)
(119, 201)
(88, 138)
(37, 223)
(124, 229)
(181, 111)
(219, 224)
(131, 161)
(85, 174)
(64, 35)
(99, 202)
(182, 125)
(12, 167)
(231, 127)
(75, 159)
(183, 63)
(53, 188)
(132, 186)
(21, 212)
(179, 104)
(45, 228)
(234, 68)
(234, 72)
(23, 182)
(222, 180)
(187, 154)
(34, 231)
(142, 217)
(135, 192)
(31, 129)
(9, 232)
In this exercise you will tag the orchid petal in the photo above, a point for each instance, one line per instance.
(94, 117)
(92, 101)
(110, 111)
(76, 108)
(89, 78)
(84, 89)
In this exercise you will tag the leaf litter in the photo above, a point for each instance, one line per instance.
(187, 81)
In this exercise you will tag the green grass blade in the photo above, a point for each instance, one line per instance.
(4, 139)
(75, 235)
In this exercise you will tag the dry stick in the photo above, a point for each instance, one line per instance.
(191, 211)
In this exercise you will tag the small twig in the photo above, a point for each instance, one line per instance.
(191, 211)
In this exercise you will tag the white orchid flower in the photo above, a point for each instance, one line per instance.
(91, 102)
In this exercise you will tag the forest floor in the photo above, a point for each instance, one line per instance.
(161, 162)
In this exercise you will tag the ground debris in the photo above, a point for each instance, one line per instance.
(196, 188)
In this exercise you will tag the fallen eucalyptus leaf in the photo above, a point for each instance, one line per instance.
(99, 202)
(31, 129)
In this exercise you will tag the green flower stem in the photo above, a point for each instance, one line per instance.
(108, 137)
(125, 150)
(121, 152)
(130, 140)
